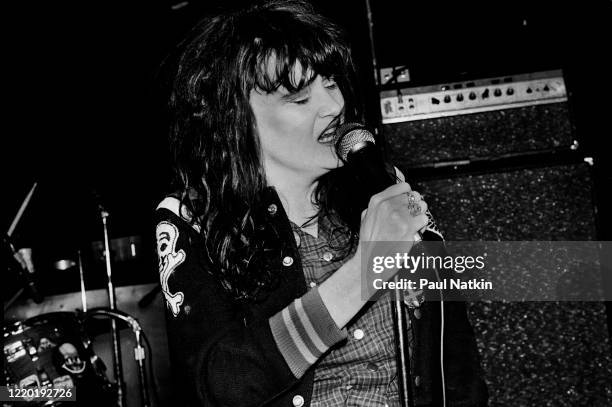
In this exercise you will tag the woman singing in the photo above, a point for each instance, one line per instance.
(259, 247)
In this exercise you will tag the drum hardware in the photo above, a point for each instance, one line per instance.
(67, 264)
(22, 209)
(139, 351)
(55, 350)
(27, 277)
(52, 350)
(82, 280)
(64, 264)
(118, 369)
(123, 249)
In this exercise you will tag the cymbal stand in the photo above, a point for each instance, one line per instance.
(139, 355)
(118, 368)
(82, 279)
(139, 351)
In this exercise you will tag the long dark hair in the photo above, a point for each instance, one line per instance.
(216, 152)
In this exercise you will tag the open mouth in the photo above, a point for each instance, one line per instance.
(327, 137)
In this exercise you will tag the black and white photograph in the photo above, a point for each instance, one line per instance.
(240, 203)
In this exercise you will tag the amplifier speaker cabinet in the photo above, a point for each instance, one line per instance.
(533, 353)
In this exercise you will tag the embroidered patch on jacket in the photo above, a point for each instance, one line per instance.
(167, 236)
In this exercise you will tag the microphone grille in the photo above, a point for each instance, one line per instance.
(349, 135)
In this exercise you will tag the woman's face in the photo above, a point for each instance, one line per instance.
(296, 129)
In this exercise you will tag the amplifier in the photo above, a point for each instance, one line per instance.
(532, 353)
(482, 119)
(539, 202)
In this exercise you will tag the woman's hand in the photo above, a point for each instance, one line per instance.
(389, 227)
(393, 215)
(393, 218)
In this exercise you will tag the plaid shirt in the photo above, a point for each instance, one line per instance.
(362, 371)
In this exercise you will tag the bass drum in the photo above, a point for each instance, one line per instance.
(52, 351)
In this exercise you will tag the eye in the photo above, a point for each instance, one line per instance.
(330, 83)
(300, 97)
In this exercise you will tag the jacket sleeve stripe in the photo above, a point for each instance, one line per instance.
(286, 345)
(310, 330)
(298, 339)
(303, 331)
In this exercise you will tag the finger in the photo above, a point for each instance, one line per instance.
(415, 196)
(422, 221)
(424, 206)
(416, 208)
(392, 191)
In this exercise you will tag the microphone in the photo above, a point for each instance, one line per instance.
(30, 280)
(356, 146)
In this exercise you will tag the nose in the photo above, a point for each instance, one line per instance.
(331, 101)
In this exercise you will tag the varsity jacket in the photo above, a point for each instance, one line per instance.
(228, 354)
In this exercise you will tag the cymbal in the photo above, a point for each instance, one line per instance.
(64, 264)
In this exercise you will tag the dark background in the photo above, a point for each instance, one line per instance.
(86, 88)
(85, 107)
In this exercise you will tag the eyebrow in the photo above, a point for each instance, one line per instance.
(295, 95)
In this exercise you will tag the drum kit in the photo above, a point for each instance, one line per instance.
(54, 350)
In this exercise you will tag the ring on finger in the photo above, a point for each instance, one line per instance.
(414, 196)
(415, 208)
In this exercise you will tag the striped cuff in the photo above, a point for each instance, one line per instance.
(304, 330)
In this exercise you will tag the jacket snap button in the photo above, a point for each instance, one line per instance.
(298, 401)
(327, 256)
(372, 367)
(417, 313)
(272, 209)
(417, 380)
(358, 334)
(287, 261)
(313, 284)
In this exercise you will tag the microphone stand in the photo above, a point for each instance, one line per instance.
(402, 352)
(118, 368)
(369, 166)
(374, 179)
(399, 311)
